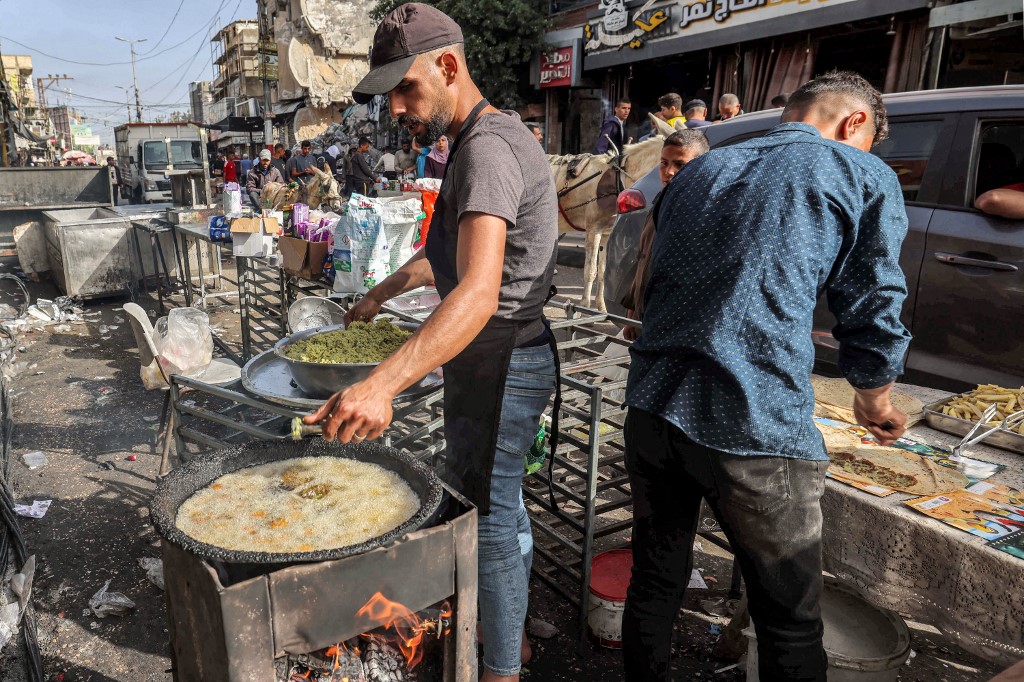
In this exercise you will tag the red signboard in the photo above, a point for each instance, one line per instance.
(556, 67)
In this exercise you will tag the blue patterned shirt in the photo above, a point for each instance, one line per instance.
(748, 238)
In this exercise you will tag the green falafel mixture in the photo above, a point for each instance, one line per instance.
(361, 342)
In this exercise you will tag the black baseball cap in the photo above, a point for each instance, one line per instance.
(695, 104)
(407, 31)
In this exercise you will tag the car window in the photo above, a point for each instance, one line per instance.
(907, 150)
(1000, 156)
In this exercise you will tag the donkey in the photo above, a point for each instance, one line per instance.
(588, 186)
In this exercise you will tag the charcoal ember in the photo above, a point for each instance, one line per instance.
(349, 668)
(384, 663)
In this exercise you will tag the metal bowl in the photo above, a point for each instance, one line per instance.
(313, 312)
(186, 480)
(321, 379)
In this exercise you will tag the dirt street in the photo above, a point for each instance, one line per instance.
(79, 400)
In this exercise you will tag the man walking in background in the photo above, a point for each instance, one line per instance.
(696, 113)
(362, 176)
(613, 132)
(300, 166)
(719, 393)
(386, 164)
(116, 182)
(279, 161)
(728, 107)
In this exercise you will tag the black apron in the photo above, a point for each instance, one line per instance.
(474, 380)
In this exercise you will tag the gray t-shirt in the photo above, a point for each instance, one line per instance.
(500, 170)
(300, 163)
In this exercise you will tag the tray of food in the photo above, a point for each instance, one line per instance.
(959, 414)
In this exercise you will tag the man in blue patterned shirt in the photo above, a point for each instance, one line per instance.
(719, 393)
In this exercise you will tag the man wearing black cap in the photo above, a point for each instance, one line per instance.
(696, 114)
(491, 252)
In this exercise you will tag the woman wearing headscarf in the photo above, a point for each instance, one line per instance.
(437, 159)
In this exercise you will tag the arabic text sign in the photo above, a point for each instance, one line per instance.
(653, 20)
(556, 68)
(707, 15)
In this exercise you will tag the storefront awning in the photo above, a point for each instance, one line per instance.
(664, 30)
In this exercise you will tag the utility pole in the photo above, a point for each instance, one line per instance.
(127, 102)
(264, 59)
(135, 82)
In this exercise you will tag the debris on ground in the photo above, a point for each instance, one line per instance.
(105, 603)
(154, 569)
(34, 460)
(36, 510)
(541, 629)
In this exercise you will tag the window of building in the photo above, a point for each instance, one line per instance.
(907, 151)
(1000, 157)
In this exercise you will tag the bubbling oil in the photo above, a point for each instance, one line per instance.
(298, 505)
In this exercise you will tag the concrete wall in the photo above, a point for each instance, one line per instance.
(27, 188)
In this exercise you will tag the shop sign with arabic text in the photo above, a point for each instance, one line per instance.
(619, 27)
(556, 68)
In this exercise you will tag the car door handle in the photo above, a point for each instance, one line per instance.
(954, 259)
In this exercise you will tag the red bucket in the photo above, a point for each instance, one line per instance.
(609, 578)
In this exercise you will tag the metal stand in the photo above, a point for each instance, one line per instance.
(590, 485)
(262, 304)
(165, 284)
(214, 418)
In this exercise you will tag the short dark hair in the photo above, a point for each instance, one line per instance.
(306, 143)
(622, 100)
(364, 140)
(670, 100)
(691, 138)
(405, 142)
(843, 84)
(278, 147)
(780, 100)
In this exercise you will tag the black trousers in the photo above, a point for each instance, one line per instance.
(768, 507)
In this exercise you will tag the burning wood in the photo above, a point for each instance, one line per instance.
(388, 653)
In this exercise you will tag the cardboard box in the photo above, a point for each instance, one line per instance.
(271, 225)
(301, 258)
(252, 244)
(246, 226)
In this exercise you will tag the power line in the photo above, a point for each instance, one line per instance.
(149, 56)
(168, 29)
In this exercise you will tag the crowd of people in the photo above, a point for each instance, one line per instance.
(356, 170)
(694, 114)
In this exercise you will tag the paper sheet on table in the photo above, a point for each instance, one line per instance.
(36, 510)
(971, 513)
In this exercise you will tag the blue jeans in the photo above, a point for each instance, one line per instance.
(505, 541)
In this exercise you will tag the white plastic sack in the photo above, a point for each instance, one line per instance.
(184, 342)
(371, 243)
(232, 200)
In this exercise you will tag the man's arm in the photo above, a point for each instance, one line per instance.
(415, 273)
(365, 408)
(866, 292)
(359, 161)
(1004, 203)
(250, 182)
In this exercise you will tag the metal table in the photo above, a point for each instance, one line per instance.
(198, 233)
(156, 228)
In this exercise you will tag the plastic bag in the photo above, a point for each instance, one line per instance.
(232, 200)
(184, 342)
(105, 603)
(429, 199)
(372, 239)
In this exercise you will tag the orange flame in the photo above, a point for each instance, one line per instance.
(409, 628)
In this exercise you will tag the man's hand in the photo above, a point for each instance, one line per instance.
(360, 412)
(364, 311)
(875, 413)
